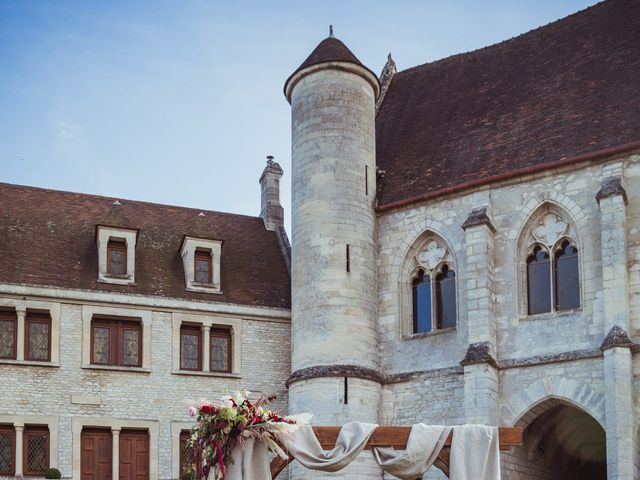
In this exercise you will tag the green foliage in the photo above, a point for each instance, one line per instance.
(188, 475)
(53, 473)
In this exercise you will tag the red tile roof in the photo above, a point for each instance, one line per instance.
(564, 90)
(47, 238)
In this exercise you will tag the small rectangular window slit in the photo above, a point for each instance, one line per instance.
(346, 391)
(348, 259)
(366, 179)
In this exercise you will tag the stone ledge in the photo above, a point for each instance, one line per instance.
(478, 216)
(29, 363)
(117, 368)
(617, 337)
(408, 376)
(438, 331)
(612, 186)
(551, 358)
(200, 373)
(322, 371)
(478, 353)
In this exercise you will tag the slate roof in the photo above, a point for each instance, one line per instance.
(561, 91)
(47, 237)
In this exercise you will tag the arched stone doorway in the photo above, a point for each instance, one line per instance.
(560, 441)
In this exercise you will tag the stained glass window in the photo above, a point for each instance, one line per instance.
(203, 266)
(446, 298)
(117, 257)
(187, 455)
(7, 454)
(422, 303)
(8, 324)
(220, 350)
(190, 347)
(131, 350)
(36, 451)
(101, 345)
(37, 329)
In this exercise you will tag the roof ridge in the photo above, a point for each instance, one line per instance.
(506, 40)
(139, 202)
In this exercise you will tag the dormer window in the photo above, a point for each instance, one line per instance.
(116, 254)
(203, 266)
(201, 261)
(116, 257)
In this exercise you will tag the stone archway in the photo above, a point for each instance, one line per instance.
(560, 440)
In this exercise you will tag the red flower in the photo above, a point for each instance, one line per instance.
(208, 409)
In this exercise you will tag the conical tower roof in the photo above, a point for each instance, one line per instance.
(330, 50)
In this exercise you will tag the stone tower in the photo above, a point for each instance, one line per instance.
(335, 342)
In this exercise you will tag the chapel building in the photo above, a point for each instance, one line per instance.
(465, 248)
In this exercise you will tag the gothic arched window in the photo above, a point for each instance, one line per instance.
(552, 266)
(433, 289)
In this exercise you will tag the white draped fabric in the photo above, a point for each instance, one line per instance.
(474, 452)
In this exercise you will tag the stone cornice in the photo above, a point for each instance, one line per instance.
(612, 186)
(477, 353)
(617, 337)
(478, 216)
(322, 371)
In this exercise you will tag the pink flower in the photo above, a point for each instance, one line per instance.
(192, 411)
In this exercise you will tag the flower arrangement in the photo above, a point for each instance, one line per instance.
(226, 424)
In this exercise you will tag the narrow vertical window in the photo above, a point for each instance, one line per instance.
(348, 259)
(366, 179)
(422, 303)
(36, 450)
(446, 298)
(187, 454)
(191, 347)
(116, 257)
(567, 283)
(7, 450)
(38, 336)
(8, 334)
(203, 266)
(539, 281)
(220, 346)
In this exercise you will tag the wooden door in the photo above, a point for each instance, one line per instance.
(95, 454)
(134, 455)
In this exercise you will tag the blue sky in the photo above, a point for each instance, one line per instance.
(179, 102)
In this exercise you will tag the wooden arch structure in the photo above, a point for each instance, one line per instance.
(397, 437)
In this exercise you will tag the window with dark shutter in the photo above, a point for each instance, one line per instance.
(35, 450)
(7, 450)
(446, 298)
(567, 283)
(191, 347)
(187, 454)
(422, 303)
(539, 281)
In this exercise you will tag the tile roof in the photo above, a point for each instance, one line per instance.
(560, 91)
(47, 238)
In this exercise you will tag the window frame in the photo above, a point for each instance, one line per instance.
(10, 429)
(192, 329)
(203, 254)
(185, 436)
(32, 430)
(37, 317)
(118, 244)
(433, 289)
(217, 332)
(116, 348)
(13, 316)
(551, 252)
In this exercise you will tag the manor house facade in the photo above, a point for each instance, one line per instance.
(465, 248)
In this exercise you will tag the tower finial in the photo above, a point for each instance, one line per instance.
(331, 30)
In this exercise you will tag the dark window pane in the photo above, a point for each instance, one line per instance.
(422, 304)
(220, 352)
(190, 351)
(202, 270)
(7, 338)
(117, 257)
(101, 344)
(131, 348)
(567, 281)
(539, 282)
(38, 341)
(446, 298)
(187, 455)
(6, 452)
(37, 453)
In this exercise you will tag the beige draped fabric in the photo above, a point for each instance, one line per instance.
(474, 453)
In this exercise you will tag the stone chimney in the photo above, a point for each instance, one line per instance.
(271, 211)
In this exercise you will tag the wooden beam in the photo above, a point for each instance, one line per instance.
(397, 437)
